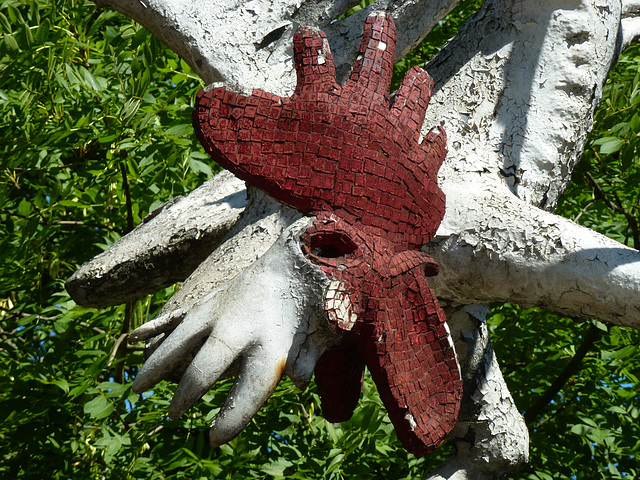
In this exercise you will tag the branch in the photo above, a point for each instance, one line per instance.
(248, 44)
(115, 350)
(517, 90)
(630, 24)
(95, 329)
(618, 208)
(87, 224)
(583, 211)
(630, 32)
(127, 197)
(62, 222)
(493, 247)
(120, 348)
(165, 248)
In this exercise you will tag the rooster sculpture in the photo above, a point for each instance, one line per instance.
(351, 159)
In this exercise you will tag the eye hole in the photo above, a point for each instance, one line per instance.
(330, 244)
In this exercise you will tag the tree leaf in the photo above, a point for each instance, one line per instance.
(612, 145)
(180, 130)
(99, 407)
(200, 167)
(635, 123)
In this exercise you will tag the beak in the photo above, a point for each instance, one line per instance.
(265, 322)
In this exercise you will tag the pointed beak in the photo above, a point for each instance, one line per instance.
(264, 323)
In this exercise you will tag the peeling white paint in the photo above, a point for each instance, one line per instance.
(340, 310)
(526, 130)
(412, 422)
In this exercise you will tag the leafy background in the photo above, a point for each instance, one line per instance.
(95, 133)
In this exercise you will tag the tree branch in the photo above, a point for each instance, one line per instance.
(127, 197)
(115, 350)
(165, 248)
(248, 44)
(517, 88)
(120, 348)
(630, 32)
(95, 329)
(584, 210)
(518, 253)
(616, 207)
(63, 222)
(630, 24)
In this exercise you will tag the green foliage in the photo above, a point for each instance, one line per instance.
(96, 132)
(590, 429)
(89, 102)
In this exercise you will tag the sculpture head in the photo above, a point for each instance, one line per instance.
(351, 158)
(345, 286)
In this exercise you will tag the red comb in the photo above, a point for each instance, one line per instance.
(342, 149)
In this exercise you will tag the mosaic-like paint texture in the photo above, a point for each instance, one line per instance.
(351, 157)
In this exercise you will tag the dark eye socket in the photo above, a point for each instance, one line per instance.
(330, 244)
